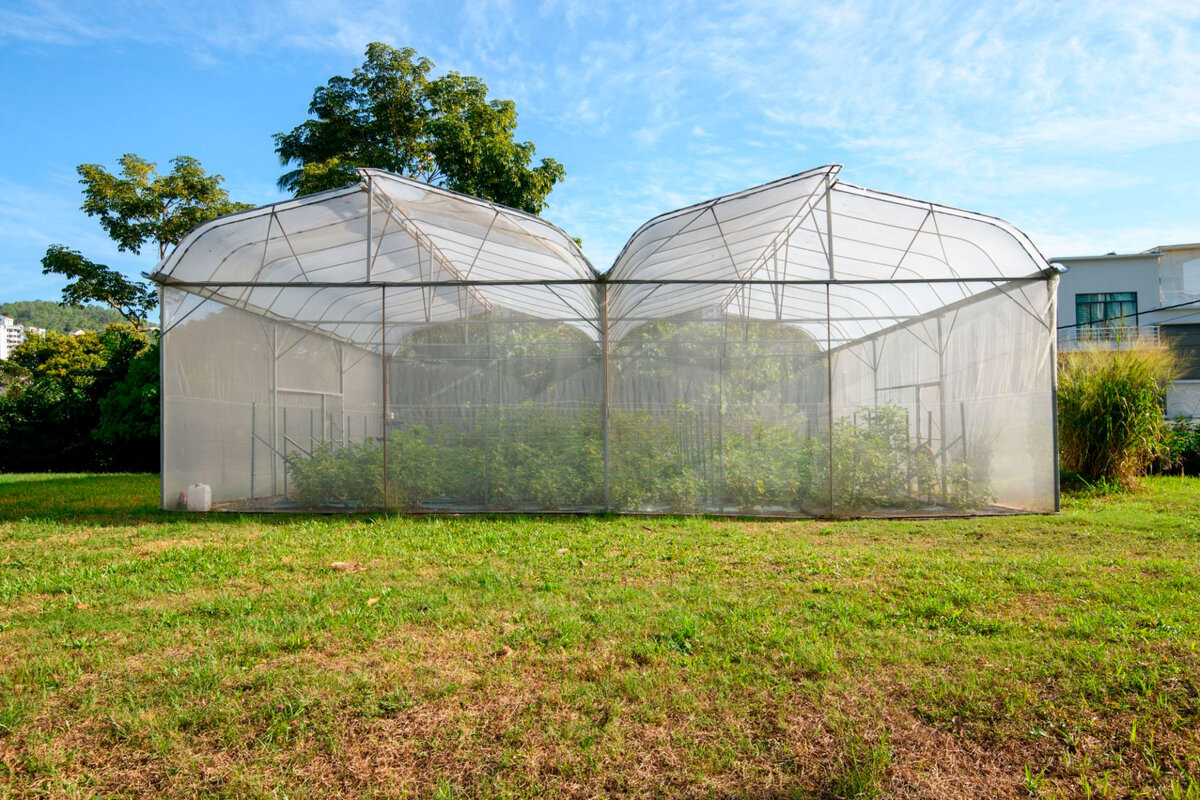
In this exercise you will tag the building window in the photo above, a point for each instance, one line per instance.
(1101, 313)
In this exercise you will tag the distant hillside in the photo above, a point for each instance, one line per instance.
(54, 317)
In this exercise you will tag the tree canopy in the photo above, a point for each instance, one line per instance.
(136, 208)
(390, 114)
(87, 402)
(140, 206)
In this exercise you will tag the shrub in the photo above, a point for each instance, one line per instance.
(350, 475)
(1181, 448)
(650, 464)
(1110, 410)
(543, 457)
(414, 468)
(771, 466)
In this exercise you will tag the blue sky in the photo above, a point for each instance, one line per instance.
(1077, 121)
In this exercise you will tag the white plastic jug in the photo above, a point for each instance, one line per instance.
(199, 497)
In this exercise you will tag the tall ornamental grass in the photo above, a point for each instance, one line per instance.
(1110, 410)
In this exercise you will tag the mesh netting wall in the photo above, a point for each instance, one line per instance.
(709, 411)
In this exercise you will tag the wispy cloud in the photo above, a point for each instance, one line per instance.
(1043, 112)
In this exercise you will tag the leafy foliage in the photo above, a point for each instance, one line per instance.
(1181, 448)
(533, 457)
(58, 317)
(348, 476)
(876, 463)
(391, 115)
(651, 464)
(89, 281)
(136, 208)
(523, 457)
(768, 466)
(1110, 410)
(141, 207)
(129, 415)
(731, 447)
(81, 402)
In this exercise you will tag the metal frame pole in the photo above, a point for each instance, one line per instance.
(1052, 288)
(162, 397)
(488, 399)
(604, 410)
(829, 391)
(720, 498)
(829, 328)
(253, 443)
(943, 444)
(384, 388)
(274, 409)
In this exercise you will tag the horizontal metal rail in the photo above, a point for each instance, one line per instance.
(614, 282)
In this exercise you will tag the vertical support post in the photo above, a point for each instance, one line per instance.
(829, 225)
(908, 487)
(274, 409)
(488, 399)
(342, 391)
(284, 442)
(162, 397)
(944, 443)
(829, 383)
(370, 213)
(721, 412)
(383, 357)
(253, 443)
(607, 398)
(829, 326)
(1052, 288)
(962, 421)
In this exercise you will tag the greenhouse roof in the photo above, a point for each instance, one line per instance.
(839, 261)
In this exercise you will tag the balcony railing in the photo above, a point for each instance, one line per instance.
(1111, 337)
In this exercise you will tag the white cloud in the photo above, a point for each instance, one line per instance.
(995, 105)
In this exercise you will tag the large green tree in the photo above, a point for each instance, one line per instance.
(390, 114)
(137, 207)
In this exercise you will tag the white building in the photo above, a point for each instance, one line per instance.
(1153, 295)
(12, 334)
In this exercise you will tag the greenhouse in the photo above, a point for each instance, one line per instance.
(803, 348)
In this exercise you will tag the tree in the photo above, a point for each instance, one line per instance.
(136, 208)
(92, 282)
(140, 207)
(391, 115)
(81, 402)
(129, 426)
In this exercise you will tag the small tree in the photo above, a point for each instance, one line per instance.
(391, 115)
(136, 208)
(140, 207)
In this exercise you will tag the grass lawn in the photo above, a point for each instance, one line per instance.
(151, 654)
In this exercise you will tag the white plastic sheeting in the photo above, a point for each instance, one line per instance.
(803, 347)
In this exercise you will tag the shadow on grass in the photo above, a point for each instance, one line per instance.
(98, 499)
(133, 499)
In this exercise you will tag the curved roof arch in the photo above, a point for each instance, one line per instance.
(387, 230)
(838, 261)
